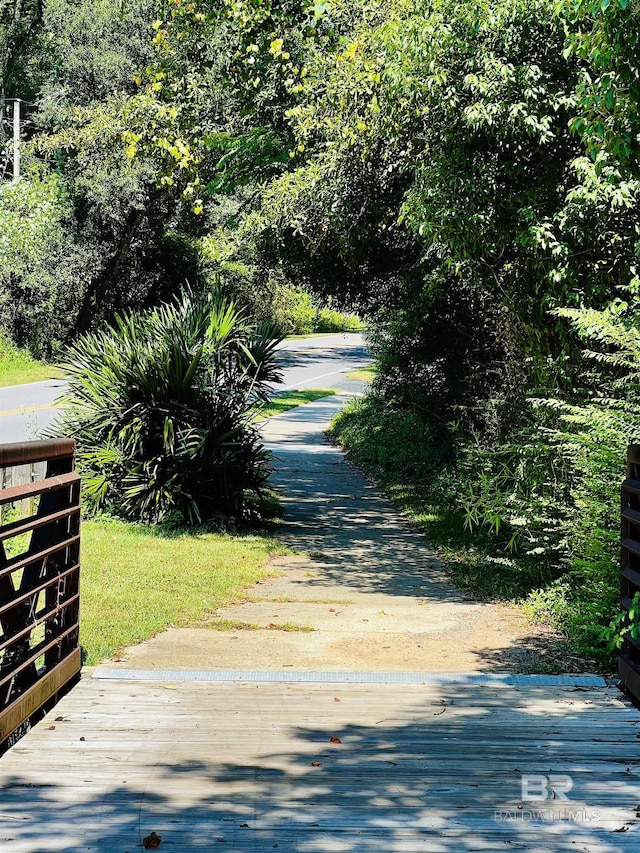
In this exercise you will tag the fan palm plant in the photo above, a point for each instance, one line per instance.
(161, 406)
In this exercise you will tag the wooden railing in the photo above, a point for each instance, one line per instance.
(39, 578)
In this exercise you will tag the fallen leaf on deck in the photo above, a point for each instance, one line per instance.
(272, 625)
(51, 728)
(335, 739)
(335, 699)
(152, 842)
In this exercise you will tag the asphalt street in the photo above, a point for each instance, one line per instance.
(26, 411)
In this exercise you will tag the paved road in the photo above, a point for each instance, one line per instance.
(27, 410)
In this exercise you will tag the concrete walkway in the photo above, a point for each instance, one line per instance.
(365, 593)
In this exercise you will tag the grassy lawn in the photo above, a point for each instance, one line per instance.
(290, 399)
(17, 367)
(137, 581)
(365, 374)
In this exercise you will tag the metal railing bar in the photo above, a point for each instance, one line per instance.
(21, 562)
(41, 650)
(40, 487)
(17, 528)
(39, 619)
(25, 452)
(38, 589)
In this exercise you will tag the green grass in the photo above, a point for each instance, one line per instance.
(291, 399)
(365, 374)
(17, 367)
(311, 335)
(137, 581)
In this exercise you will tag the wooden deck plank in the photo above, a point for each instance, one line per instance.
(425, 768)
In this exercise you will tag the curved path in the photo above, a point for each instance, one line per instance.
(363, 593)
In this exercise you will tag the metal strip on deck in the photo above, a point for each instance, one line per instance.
(485, 679)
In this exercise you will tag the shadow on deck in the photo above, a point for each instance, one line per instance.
(251, 766)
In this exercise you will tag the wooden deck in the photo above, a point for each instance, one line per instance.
(250, 766)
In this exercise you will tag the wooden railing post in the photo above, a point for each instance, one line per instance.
(39, 581)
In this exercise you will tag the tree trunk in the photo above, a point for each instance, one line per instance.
(101, 284)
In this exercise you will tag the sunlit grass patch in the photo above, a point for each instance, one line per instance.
(364, 374)
(291, 399)
(17, 367)
(137, 580)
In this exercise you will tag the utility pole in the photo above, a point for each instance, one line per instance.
(16, 139)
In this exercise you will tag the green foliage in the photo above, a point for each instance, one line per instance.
(331, 320)
(606, 35)
(293, 310)
(161, 406)
(94, 50)
(18, 367)
(625, 624)
(20, 34)
(37, 295)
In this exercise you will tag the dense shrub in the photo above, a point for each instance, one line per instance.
(161, 407)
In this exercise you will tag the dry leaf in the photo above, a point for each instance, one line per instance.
(272, 625)
(152, 842)
(335, 739)
(332, 610)
(335, 699)
(51, 728)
